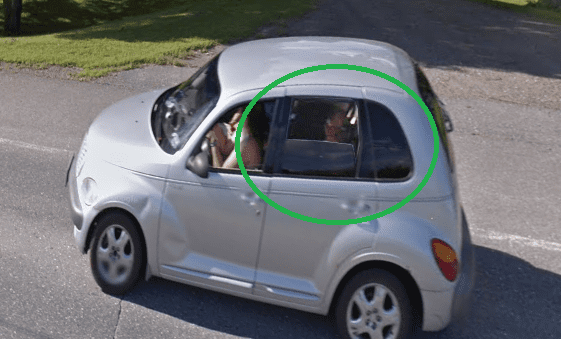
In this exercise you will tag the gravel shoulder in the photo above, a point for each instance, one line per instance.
(510, 87)
(457, 83)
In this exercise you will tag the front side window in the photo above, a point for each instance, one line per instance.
(322, 138)
(179, 111)
(386, 154)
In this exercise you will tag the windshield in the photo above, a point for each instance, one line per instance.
(179, 111)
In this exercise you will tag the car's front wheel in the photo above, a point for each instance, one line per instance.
(116, 254)
(374, 304)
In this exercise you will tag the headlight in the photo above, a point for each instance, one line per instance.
(88, 191)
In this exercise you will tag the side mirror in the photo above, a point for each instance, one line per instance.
(198, 163)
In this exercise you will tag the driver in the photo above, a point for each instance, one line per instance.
(223, 138)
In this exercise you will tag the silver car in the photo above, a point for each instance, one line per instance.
(156, 188)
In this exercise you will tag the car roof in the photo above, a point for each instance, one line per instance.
(255, 64)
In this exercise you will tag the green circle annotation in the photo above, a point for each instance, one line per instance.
(342, 221)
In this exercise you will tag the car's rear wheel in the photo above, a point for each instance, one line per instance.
(116, 254)
(374, 305)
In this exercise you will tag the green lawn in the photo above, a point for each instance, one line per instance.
(101, 36)
(540, 9)
(125, 34)
(516, 2)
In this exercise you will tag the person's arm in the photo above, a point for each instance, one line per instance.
(232, 161)
(217, 157)
(222, 145)
(222, 142)
(251, 155)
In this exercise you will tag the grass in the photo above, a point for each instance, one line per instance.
(102, 36)
(540, 9)
(516, 2)
(123, 34)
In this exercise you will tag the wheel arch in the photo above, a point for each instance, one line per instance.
(411, 287)
(119, 210)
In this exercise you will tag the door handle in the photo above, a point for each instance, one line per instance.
(251, 198)
(355, 207)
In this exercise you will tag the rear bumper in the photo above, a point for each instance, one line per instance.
(464, 287)
(443, 307)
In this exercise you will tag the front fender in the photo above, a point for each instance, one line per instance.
(138, 194)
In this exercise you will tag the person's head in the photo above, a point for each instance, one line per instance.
(258, 124)
(335, 125)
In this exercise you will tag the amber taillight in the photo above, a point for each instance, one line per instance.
(446, 259)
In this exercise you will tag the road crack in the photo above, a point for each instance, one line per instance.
(118, 316)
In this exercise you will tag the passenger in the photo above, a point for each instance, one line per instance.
(335, 129)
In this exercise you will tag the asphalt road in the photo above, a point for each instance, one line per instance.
(508, 157)
(445, 33)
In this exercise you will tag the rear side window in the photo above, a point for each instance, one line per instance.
(386, 154)
(322, 138)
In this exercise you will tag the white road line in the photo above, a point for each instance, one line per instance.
(32, 146)
(476, 232)
(537, 23)
(515, 239)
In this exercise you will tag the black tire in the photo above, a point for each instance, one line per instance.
(378, 319)
(116, 254)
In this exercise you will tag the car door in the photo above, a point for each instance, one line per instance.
(315, 175)
(210, 227)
